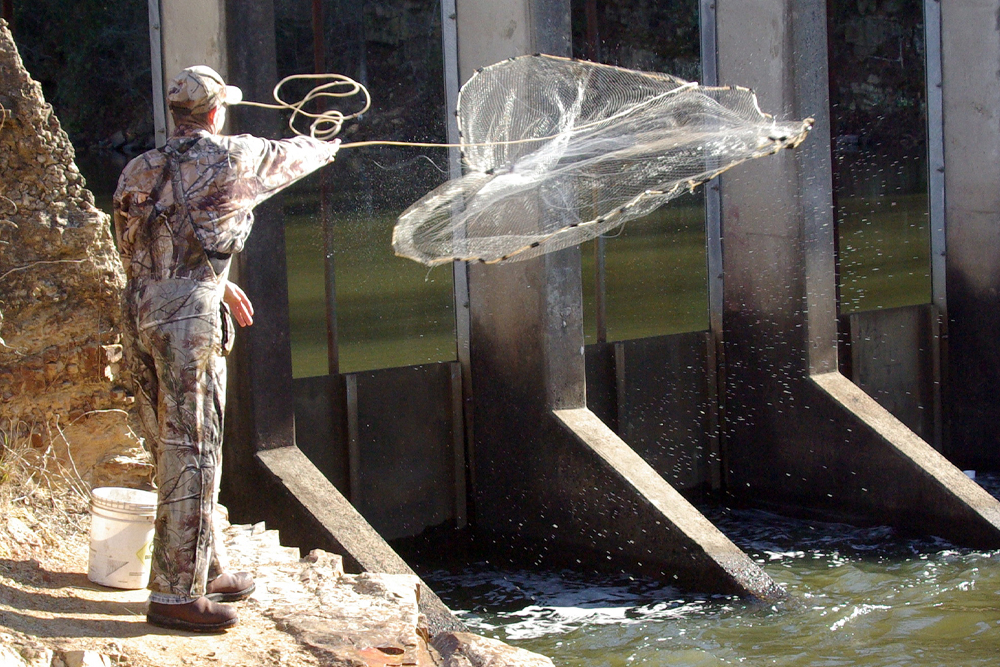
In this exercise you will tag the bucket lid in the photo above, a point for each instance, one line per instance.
(116, 498)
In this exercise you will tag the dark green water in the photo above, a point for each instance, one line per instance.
(858, 597)
(394, 312)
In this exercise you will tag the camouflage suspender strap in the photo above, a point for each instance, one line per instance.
(165, 173)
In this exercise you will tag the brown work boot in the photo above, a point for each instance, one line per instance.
(199, 615)
(230, 587)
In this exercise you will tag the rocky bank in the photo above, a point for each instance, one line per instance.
(60, 281)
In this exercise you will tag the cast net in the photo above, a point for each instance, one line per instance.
(559, 151)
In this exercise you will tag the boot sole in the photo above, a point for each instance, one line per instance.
(232, 597)
(179, 624)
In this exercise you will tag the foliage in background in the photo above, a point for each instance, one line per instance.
(393, 47)
(878, 114)
(877, 91)
(643, 34)
(92, 59)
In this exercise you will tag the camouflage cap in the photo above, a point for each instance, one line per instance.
(199, 89)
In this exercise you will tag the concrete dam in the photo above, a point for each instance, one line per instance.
(574, 449)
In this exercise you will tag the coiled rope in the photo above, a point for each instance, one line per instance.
(327, 124)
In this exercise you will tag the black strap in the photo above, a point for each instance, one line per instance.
(218, 260)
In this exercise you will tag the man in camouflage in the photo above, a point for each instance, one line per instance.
(180, 213)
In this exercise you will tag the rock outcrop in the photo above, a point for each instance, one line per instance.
(60, 285)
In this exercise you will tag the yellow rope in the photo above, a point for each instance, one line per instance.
(327, 124)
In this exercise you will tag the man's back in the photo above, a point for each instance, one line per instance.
(216, 180)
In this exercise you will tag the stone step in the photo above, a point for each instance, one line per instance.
(354, 619)
(255, 544)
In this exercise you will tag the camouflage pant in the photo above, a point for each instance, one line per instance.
(181, 392)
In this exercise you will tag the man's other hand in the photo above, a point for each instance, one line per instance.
(239, 304)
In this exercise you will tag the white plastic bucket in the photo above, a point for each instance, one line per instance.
(121, 536)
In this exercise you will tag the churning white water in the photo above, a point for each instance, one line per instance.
(857, 597)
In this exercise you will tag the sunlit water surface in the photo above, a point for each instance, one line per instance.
(857, 597)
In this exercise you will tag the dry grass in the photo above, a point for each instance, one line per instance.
(39, 490)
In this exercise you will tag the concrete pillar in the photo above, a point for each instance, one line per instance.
(970, 50)
(264, 361)
(193, 34)
(798, 436)
(527, 317)
(551, 482)
(184, 34)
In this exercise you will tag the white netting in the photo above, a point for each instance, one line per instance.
(559, 151)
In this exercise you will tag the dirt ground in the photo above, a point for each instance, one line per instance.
(46, 601)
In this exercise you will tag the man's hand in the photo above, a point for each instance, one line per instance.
(239, 304)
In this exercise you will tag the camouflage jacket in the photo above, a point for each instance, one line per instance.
(195, 197)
